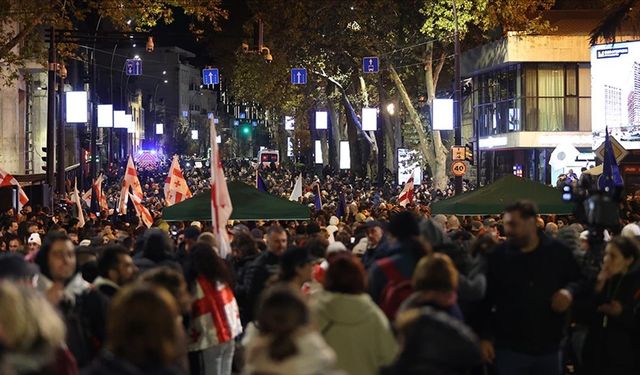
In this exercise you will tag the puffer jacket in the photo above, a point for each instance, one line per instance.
(357, 330)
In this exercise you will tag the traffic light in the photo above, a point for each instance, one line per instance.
(246, 130)
(44, 158)
(468, 155)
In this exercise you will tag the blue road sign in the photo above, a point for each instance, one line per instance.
(371, 64)
(210, 76)
(133, 67)
(299, 76)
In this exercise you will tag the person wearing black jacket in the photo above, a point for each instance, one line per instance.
(612, 345)
(531, 281)
(258, 272)
(82, 308)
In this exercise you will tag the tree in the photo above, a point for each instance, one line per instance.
(21, 22)
(413, 39)
(618, 13)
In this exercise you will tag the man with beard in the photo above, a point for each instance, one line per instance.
(531, 281)
(115, 269)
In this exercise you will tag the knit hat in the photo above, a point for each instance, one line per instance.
(35, 238)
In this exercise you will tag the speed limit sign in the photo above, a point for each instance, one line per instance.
(459, 168)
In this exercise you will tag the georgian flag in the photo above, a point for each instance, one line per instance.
(175, 185)
(406, 195)
(142, 211)
(7, 179)
(130, 180)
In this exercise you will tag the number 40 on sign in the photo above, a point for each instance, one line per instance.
(459, 168)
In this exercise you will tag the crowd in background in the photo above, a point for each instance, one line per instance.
(381, 289)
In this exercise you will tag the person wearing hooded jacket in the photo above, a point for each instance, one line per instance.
(454, 351)
(348, 319)
(83, 308)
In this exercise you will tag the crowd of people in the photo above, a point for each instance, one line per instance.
(375, 289)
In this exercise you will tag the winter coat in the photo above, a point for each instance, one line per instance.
(516, 312)
(313, 357)
(438, 344)
(357, 330)
(612, 345)
(84, 312)
(107, 287)
(254, 280)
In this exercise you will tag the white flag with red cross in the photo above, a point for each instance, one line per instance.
(406, 195)
(175, 185)
(142, 211)
(6, 179)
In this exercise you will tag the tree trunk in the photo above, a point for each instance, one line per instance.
(436, 156)
(336, 135)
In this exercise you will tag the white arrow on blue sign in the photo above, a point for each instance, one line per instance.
(299, 76)
(133, 67)
(210, 76)
(371, 64)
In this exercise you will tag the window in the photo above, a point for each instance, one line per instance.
(533, 97)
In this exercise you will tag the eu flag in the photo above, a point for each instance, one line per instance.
(610, 180)
(260, 185)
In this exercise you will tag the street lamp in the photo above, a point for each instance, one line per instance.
(391, 109)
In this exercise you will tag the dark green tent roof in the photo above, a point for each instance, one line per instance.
(492, 199)
(249, 204)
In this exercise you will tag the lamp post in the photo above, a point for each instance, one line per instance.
(458, 94)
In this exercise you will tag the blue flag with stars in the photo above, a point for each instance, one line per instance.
(260, 184)
(611, 179)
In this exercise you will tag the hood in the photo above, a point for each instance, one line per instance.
(343, 308)
(75, 287)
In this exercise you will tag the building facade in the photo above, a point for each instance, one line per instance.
(532, 94)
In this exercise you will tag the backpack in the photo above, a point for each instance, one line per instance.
(397, 290)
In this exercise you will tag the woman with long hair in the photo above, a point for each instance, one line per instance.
(612, 344)
(215, 317)
(286, 343)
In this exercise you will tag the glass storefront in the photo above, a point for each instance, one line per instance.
(533, 97)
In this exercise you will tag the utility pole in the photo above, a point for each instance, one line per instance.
(457, 107)
(60, 141)
(51, 112)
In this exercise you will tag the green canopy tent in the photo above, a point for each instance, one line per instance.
(249, 204)
(492, 199)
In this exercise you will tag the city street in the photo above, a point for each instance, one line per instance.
(328, 187)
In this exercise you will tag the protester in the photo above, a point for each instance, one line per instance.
(215, 317)
(351, 323)
(265, 266)
(286, 343)
(453, 349)
(529, 291)
(613, 338)
(376, 243)
(82, 308)
(296, 266)
(115, 269)
(144, 334)
(31, 333)
(389, 278)
(435, 284)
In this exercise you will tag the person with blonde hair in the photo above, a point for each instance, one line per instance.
(435, 284)
(31, 331)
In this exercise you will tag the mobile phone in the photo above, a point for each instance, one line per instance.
(353, 239)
